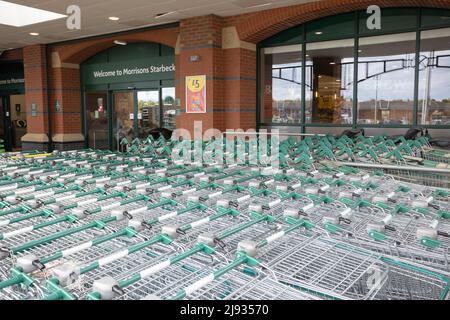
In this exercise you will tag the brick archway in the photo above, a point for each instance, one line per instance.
(78, 52)
(255, 27)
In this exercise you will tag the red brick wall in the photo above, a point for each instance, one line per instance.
(257, 26)
(240, 88)
(203, 37)
(77, 52)
(35, 66)
(201, 31)
(65, 88)
(231, 76)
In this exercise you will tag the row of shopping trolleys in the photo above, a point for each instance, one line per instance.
(94, 225)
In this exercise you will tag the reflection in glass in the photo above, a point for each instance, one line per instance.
(123, 118)
(148, 112)
(169, 108)
(18, 112)
(97, 120)
(386, 79)
(281, 84)
(2, 119)
(329, 82)
(434, 75)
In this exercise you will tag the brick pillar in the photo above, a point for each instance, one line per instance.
(239, 81)
(35, 69)
(267, 89)
(64, 80)
(230, 67)
(201, 36)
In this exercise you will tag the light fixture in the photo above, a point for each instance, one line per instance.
(17, 15)
(120, 43)
(114, 18)
(34, 33)
(337, 80)
(260, 5)
(359, 50)
(195, 58)
(332, 62)
(320, 77)
(319, 32)
(160, 15)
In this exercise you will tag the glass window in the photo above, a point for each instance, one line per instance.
(434, 75)
(2, 124)
(290, 36)
(329, 28)
(18, 113)
(97, 120)
(386, 79)
(123, 119)
(386, 70)
(281, 84)
(148, 112)
(329, 82)
(435, 18)
(170, 110)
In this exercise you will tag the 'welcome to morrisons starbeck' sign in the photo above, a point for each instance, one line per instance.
(160, 68)
(4, 82)
(11, 77)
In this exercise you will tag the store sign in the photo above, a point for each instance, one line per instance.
(196, 94)
(12, 77)
(12, 81)
(160, 68)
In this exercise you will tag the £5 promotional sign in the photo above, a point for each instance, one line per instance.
(196, 94)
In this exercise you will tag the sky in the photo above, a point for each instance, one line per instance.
(396, 85)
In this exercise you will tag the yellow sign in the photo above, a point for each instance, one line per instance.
(196, 83)
(21, 123)
(196, 94)
(326, 102)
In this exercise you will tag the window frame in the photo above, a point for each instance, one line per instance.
(356, 36)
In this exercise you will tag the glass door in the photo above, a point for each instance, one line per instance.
(122, 119)
(97, 120)
(18, 121)
(115, 115)
(169, 108)
(148, 112)
(5, 124)
(2, 124)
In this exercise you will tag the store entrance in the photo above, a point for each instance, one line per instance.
(148, 112)
(135, 114)
(13, 122)
(123, 118)
(116, 118)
